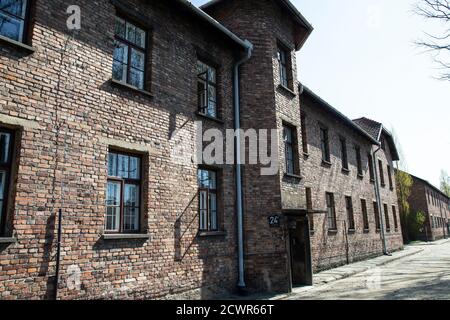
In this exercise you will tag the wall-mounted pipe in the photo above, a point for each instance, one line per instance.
(239, 203)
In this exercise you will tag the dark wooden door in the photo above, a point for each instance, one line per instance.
(301, 254)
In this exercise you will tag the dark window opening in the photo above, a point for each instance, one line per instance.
(350, 213)
(344, 155)
(371, 170)
(325, 145)
(359, 161)
(129, 53)
(364, 214)
(207, 89)
(123, 193)
(290, 149)
(331, 212)
(376, 212)
(394, 212)
(6, 159)
(283, 62)
(380, 166)
(391, 184)
(386, 216)
(207, 199)
(304, 133)
(309, 207)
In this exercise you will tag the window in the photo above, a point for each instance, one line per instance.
(371, 171)
(123, 200)
(394, 212)
(207, 89)
(350, 213)
(309, 208)
(325, 145)
(331, 212)
(290, 150)
(6, 156)
(283, 57)
(391, 184)
(207, 196)
(359, 161)
(304, 133)
(13, 17)
(386, 216)
(380, 165)
(377, 215)
(129, 54)
(344, 153)
(364, 214)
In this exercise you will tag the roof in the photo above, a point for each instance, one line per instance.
(429, 184)
(375, 129)
(200, 14)
(285, 4)
(328, 108)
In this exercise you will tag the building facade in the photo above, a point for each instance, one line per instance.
(101, 125)
(432, 202)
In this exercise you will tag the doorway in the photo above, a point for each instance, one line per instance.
(300, 252)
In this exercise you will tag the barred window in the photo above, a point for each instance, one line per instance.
(376, 212)
(331, 212)
(364, 214)
(344, 153)
(6, 156)
(207, 195)
(129, 53)
(207, 89)
(13, 18)
(290, 149)
(386, 216)
(283, 56)
(123, 204)
(350, 213)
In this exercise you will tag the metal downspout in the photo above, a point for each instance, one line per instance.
(239, 203)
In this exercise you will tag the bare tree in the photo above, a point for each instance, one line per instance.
(438, 44)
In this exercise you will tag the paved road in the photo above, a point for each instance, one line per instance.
(425, 275)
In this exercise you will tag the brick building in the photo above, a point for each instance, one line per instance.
(431, 201)
(101, 124)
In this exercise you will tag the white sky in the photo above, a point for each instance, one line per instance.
(361, 59)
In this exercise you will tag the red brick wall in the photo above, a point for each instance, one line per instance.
(74, 115)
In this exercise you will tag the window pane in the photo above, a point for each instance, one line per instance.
(131, 32)
(131, 195)
(202, 95)
(140, 37)
(203, 209)
(14, 7)
(123, 166)
(137, 59)
(120, 27)
(202, 70)
(213, 210)
(112, 218)
(112, 164)
(11, 27)
(212, 180)
(131, 219)
(2, 184)
(5, 139)
(212, 74)
(113, 194)
(119, 71)
(137, 78)
(120, 52)
(134, 168)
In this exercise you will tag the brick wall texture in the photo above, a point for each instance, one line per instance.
(67, 114)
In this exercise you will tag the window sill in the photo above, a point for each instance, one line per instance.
(372, 181)
(345, 171)
(326, 163)
(126, 236)
(121, 84)
(306, 155)
(383, 185)
(312, 233)
(288, 90)
(294, 176)
(332, 231)
(366, 230)
(17, 44)
(351, 231)
(205, 234)
(7, 240)
(199, 114)
(360, 176)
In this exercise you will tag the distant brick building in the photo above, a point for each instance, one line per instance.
(101, 124)
(431, 201)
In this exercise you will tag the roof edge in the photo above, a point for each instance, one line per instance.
(339, 114)
(427, 182)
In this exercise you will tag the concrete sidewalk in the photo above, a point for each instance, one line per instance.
(325, 277)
